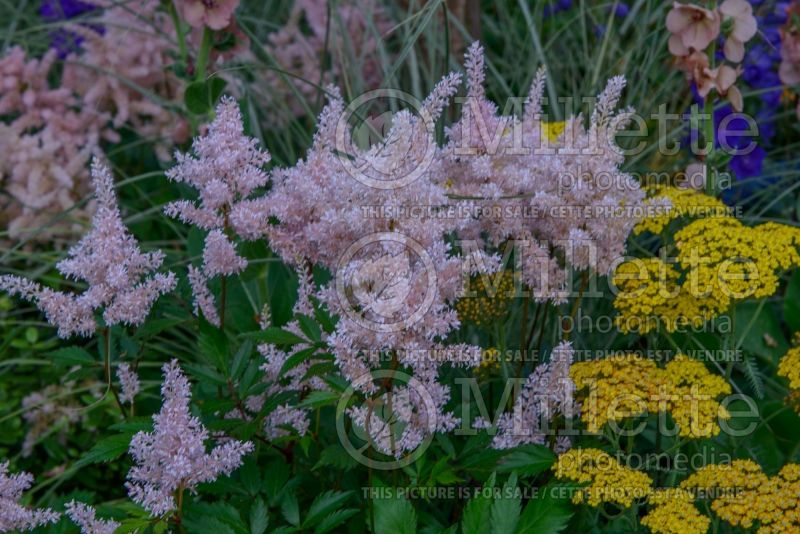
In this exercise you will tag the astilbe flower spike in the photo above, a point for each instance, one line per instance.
(226, 169)
(547, 391)
(129, 381)
(14, 516)
(173, 457)
(566, 176)
(85, 517)
(108, 258)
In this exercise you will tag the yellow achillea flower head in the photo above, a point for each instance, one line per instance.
(608, 480)
(553, 130)
(673, 512)
(789, 367)
(490, 362)
(745, 496)
(681, 203)
(720, 261)
(490, 302)
(623, 386)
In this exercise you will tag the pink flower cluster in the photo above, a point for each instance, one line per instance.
(173, 457)
(125, 71)
(695, 28)
(386, 270)
(14, 516)
(226, 171)
(109, 260)
(789, 70)
(521, 172)
(129, 382)
(46, 145)
(85, 517)
(548, 391)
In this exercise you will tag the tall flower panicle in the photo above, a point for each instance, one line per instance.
(549, 390)
(109, 260)
(226, 170)
(396, 277)
(14, 516)
(173, 457)
(129, 382)
(85, 517)
(556, 189)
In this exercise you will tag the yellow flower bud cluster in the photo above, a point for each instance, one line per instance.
(721, 261)
(673, 512)
(489, 302)
(490, 363)
(608, 480)
(623, 386)
(789, 367)
(745, 496)
(681, 203)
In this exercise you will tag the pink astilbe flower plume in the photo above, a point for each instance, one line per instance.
(108, 258)
(173, 457)
(396, 275)
(226, 169)
(129, 382)
(570, 205)
(85, 517)
(14, 516)
(549, 390)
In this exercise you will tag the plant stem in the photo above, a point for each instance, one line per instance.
(173, 13)
(202, 56)
(708, 111)
(107, 369)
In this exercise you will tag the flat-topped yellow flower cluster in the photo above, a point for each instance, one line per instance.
(608, 480)
(719, 261)
(673, 512)
(490, 301)
(623, 386)
(751, 498)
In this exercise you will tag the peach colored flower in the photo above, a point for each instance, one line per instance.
(744, 27)
(216, 14)
(692, 27)
(789, 70)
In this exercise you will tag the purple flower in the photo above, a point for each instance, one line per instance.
(748, 165)
(63, 40)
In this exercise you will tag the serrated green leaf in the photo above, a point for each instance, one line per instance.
(335, 456)
(69, 356)
(545, 514)
(291, 509)
(394, 515)
(106, 449)
(259, 519)
(527, 460)
(334, 519)
(296, 359)
(317, 399)
(324, 504)
(213, 345)
(309, 327)
(277, 336)
(504, 514)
